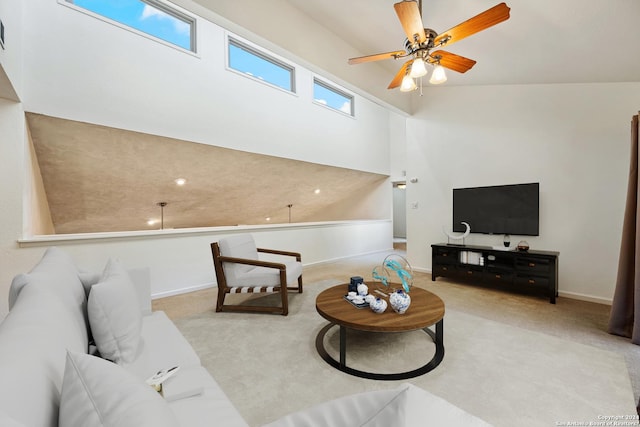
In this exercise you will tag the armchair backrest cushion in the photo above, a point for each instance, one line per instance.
(240, 246)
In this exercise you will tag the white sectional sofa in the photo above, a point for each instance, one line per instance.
(49, 379)
(51, 375)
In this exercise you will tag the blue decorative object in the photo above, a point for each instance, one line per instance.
(394, 264)
(400, 301)
(379, 274)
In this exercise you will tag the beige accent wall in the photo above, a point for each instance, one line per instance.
(39, 213)
(103, 179)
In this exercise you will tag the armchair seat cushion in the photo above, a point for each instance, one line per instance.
(264, 276)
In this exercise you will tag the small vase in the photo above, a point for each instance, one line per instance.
(378, 306)
(400, 301)
(363, 289)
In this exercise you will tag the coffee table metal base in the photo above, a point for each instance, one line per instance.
(341, 365)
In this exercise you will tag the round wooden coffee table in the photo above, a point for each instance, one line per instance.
(426, 309)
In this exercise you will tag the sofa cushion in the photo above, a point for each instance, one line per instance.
(114, 314)
(7, 421)
(211, 408)
(162, 346)
(34, 339)
(98, 393)
(56, 274)
(405, 406)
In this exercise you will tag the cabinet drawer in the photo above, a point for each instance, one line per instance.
(539, 266)
(532, 281)
(470, 271)
(498, 276)
(445, 256)
(444, 270)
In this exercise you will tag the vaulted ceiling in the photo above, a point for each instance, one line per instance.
(543, 42)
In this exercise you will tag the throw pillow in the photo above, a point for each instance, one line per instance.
(7, 421)
(98, 393)
(114, 314)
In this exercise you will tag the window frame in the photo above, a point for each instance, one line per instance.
(169, 9)
(332, 87)
(264, 54)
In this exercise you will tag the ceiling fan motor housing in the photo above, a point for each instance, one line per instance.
(411, 47)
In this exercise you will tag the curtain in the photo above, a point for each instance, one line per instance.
(624, 319)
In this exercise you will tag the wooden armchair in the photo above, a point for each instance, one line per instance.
(238, 270)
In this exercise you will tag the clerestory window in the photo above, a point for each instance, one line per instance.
(332, 97)
(151, 17)
(261, 66)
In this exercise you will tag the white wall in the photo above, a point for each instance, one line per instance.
(85, 69)
(11, 14)
(399, 212)
(180, 260)
(573, 139)
(398, 144)
(313, 41)
(12, 161)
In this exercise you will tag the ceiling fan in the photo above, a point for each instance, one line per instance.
(420, 44)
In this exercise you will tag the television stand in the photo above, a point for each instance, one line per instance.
(534, 271)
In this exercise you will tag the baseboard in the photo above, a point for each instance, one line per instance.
(328, 261)
(570, 295)
(583, 297)
(180, 291)
(188, 289)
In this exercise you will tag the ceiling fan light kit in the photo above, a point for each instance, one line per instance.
(421, 41)
(418, 68)
(408, 84)
(438, 76)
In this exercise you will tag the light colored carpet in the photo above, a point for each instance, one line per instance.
(506, 375)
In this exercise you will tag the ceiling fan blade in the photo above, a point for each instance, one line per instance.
(376, 57)
(452, 61)
(397, 80)
(486, 19)
(409, 15)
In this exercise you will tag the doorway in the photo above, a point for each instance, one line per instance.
(399, 216)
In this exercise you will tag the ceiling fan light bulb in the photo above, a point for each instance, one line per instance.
(418, 68)
(438, 75)
(408, 84)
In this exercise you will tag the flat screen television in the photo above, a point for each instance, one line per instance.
(500, 209)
